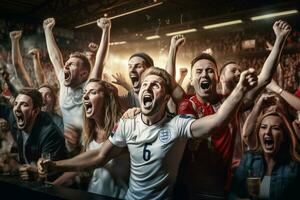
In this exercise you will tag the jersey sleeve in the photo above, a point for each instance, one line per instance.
(118, 137)
(183, 125)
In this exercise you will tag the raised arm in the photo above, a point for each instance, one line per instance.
(205, 126)
(120, 80)
(105, 25)
(183, 73)
(249, 126)
(87, 160)
(37, 66)
(281, 30)
(290, 98)
(53, 50)
(17, 60)
(91, 53)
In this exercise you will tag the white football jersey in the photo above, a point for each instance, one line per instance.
(155, 153)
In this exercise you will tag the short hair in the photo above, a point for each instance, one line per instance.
(203, 56)
(52, 90)
(81, 56)
(161, 73)
(148, 60)
(35, 95)
(225, 65)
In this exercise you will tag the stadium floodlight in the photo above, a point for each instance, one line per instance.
(270, 15)
(182, 32)
(217, 25)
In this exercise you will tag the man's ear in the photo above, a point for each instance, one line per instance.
(84, 74)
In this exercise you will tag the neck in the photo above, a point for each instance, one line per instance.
(226, 90)
(101, 134)
(150, 120)
(211, 99)
(270, 163)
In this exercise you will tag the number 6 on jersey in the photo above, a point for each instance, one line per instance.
(146, 152)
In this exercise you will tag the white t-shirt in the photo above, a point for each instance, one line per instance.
(112, 179)
(155, 154)
(70, 102)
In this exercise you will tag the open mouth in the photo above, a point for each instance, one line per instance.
(135, 80)
(20, 119)
(205, 84)
(147, 101)
(269, 142)
(88, 107)
(67, 75)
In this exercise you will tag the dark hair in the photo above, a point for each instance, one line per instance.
(86, 63)
(161, 73)
(225, 64)
(203, 56)
(53, 92)
(148, 60)
(35, 95)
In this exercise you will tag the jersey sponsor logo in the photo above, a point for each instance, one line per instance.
(164, 135)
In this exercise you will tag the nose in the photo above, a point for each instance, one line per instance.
(86, 96)
(67, 66)
(17, 107)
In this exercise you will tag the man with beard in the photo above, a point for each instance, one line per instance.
(33, 130)
(155, 139)
(211, 178)
(72, 77)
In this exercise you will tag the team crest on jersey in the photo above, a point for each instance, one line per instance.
(164, 135)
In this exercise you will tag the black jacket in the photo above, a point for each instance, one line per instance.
(44, 137)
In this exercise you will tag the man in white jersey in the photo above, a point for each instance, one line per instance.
(72, 77)
(154, 139)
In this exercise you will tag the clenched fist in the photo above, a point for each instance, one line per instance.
(177, 40)
(15, 35)
(104, 23)
(49, 23)
(281, 28)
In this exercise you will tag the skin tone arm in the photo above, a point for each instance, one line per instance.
(37, 65)
(290, 98)
(53, 50)
(65, 177)
(93, 47)
(120, 80)
(85, 161)
(183, 73)
(176, 42)
(17, 60)
(281, 30)
(250, 123)
(105, 25)
(205, 126)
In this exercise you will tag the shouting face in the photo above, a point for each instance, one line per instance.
(204, 78)
(24, 112)
(74, 72)
(231, 76)
(136, 66)
(48, 99)
(271, 134)
(93, 100)
(152, 95)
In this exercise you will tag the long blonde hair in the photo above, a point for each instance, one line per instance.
(289, 144)
(112, 113)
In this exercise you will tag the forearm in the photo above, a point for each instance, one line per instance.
(65, 177)
(180, 81)
(177, 92)
(19, 65)
(268, 69)
(171, 62)
(291, 99)
(249, 126)
(38, 70)
(87, 160)
(53, 51)
(101, 54)
(204, 127)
